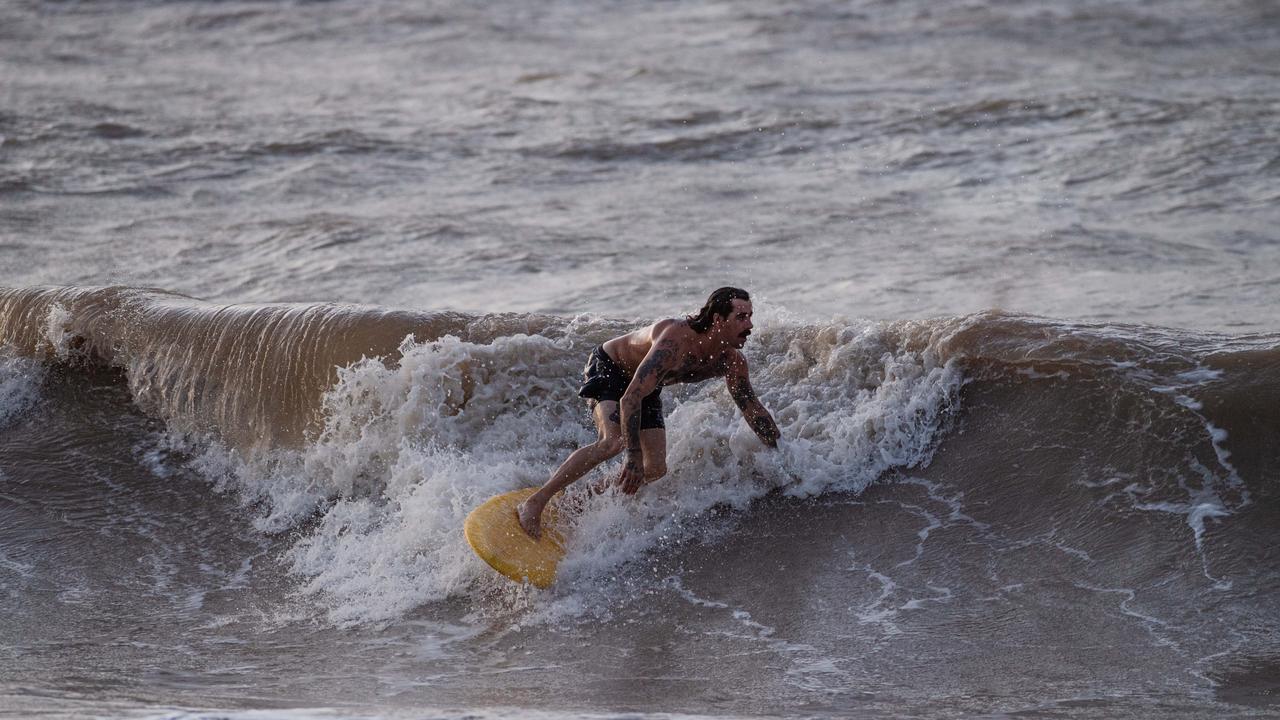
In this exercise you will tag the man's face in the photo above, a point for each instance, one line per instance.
(737, 325)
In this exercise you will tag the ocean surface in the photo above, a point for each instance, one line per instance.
(288, 288)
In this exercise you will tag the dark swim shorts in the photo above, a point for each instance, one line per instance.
(602, 379)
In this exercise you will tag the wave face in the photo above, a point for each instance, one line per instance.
(986, 485)
(254, 374)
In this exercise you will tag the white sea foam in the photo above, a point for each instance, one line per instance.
(1221, 491)
(878, 611)
(411, 445)
(56, 323)
(807, 668)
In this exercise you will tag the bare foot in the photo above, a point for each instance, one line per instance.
(530, 520)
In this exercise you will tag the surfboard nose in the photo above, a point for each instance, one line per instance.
(494, 533)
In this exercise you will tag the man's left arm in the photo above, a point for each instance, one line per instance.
(745, 397)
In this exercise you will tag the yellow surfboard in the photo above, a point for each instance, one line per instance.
(495, 534)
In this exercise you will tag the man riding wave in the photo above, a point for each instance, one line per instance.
(623, 382)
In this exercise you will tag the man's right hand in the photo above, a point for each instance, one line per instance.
(632, 475)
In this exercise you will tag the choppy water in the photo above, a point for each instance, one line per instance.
(1009, 487)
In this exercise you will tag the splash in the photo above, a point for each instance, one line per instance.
(411, 444)
(20, 382)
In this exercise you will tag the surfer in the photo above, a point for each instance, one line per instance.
(623, 382)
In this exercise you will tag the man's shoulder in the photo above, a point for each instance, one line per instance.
(672, 329)
(734, 361)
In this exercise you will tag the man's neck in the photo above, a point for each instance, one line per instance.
(713, 344)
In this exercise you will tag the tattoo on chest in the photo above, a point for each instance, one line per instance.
(692, 370)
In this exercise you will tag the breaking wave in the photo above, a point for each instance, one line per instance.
(371, 433)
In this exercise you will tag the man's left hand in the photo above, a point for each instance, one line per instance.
(632, 475)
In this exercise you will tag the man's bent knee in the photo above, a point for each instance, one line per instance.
(608, 447)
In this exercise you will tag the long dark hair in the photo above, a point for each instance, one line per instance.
(719, 303)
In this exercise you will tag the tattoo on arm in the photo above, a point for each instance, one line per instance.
(656, 363)
(742, 393)
(633, 430)
(652, 370)
(765, 428)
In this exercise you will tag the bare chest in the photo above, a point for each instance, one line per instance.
(694, 370)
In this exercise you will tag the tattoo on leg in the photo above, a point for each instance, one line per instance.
(615, 416)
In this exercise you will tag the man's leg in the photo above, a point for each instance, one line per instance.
(578, 464)
(653, 445)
